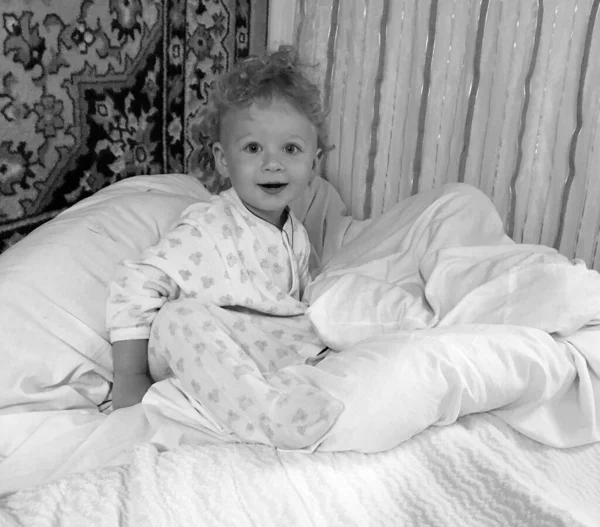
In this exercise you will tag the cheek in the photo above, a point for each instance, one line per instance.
(242, 170)
(306, 166)
(303, 175)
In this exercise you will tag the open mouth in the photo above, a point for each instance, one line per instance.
(273, 188)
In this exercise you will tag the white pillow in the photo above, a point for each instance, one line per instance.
(53, 349)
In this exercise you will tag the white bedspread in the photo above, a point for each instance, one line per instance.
(473, 473)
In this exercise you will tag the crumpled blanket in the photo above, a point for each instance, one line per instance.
(446, 317)
(442, 259)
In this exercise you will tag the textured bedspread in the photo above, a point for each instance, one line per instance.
(473, 473)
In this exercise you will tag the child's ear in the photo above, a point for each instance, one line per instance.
(220, 160)
(317, 160)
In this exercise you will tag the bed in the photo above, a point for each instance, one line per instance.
(469, 365)
(485, 413)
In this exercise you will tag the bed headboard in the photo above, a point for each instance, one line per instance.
(502, 94)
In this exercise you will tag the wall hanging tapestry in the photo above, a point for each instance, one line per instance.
(94, 92)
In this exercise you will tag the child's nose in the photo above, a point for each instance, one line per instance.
(272, 162)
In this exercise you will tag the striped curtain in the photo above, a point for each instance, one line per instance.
(501, 94)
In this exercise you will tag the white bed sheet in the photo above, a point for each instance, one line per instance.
(45, 446)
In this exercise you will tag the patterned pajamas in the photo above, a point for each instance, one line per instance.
(232, 323)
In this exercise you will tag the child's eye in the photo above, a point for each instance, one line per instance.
(291, 148)
(252, 148)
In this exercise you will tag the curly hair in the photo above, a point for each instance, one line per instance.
(275, 75)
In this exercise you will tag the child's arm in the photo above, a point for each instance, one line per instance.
(131, 377)
(136, 294)
(140, 288)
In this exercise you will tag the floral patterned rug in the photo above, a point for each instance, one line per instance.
(94, 92)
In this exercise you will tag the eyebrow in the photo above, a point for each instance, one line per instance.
(243, 137)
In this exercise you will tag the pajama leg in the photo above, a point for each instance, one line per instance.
(158, 358)
(230, 361)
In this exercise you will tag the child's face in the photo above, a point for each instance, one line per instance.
(269, 152)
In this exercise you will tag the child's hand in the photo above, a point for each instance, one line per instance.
(129, 389)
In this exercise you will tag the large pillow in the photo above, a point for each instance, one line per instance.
(53, 284)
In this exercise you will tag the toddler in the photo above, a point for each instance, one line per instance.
(217, 302)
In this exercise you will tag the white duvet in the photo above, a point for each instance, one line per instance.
(438, 314)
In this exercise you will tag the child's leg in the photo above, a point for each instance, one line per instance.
(158, 360)
(230, 361)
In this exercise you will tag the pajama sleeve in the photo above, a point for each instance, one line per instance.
(136, 294)
(141, 288)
